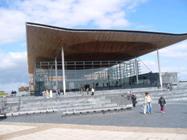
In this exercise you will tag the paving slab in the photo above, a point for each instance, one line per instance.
(7, 129)
(121, 125)
(88, 132)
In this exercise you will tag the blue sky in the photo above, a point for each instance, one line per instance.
(150, 15)
(162, 15)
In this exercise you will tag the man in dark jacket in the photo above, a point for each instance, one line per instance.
(162, 103)
(133, 98)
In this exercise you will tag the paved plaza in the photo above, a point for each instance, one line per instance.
(22, 131)
(131, 124)
(175, 117)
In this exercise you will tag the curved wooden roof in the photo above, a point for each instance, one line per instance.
(45, 42)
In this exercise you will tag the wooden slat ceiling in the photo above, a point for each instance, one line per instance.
(45, 42)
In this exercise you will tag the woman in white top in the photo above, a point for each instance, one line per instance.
(147, 102)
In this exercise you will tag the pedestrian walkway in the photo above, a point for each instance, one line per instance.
(175, 117)
(39, 131)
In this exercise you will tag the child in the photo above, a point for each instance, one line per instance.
(162, 103)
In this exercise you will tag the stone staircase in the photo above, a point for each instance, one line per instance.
(75, 103)
(65, 104)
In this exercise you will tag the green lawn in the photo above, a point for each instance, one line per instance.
(2, 93)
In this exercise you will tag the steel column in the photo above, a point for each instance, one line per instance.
(159, 69)
(56, 73)
(137, 71)
(63, 71)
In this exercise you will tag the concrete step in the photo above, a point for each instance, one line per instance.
(106, 108)
(114, 108)
(62, 106)
(64, 100)
(79, 102)
(42, 110)
(65, 103)
(34, 99)
(68, 101)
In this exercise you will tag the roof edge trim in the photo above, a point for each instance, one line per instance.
(97, 30)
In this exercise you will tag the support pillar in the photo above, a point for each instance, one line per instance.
(56, 73)
(63, 71)
(137, 71)
(120, 75)
(34, 79)
(159, 69)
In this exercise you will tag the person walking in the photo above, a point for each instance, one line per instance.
(92, 90)
(147, 103)
(51, 93)
(87, 91)
(162, 103)
(58, 92)
(133, 98)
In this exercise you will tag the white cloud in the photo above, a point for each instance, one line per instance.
(172, 59)
(13, 70)
(166, 66)
(176, 51)
(148, 66)
(12, 60)
(67, 13)
(11, 25)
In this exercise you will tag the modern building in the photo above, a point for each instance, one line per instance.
(170, 78)
(74, 59)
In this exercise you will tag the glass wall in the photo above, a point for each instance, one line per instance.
(85, 74)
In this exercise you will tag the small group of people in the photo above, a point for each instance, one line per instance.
(47, 93)
(132, 97)
(92, 91)
(87, 91)
(50, 93)
(147, 107)
(13, 93)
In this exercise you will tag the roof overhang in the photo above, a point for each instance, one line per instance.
(45, 42)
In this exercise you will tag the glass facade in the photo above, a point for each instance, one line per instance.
(98, 74)
(86, 74)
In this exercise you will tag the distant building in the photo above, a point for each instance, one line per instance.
(169, 78)
(23, 89)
